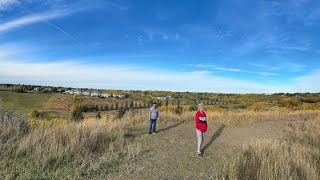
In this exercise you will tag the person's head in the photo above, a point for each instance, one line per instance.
(154, 104)
(200, 107)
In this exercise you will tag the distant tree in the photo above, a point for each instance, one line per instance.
(101, 108)
(178, 107)
(1, 110)
(120, 113)
(167, 103)
(131, 105)
(98, 116)
(193, 107)
(74, 97)
(76, 113)
(34, 114)
(106, 107)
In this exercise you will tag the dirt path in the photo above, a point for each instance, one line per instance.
(171, 153)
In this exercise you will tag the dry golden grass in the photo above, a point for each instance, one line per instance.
(296, 156)
(248, 117)
(93, 147)
(236, 118)
(78, 149)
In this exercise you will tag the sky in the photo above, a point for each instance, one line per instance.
(220, 46)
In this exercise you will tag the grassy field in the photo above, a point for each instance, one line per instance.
(246, 145)
(239, 144)
(24, 101)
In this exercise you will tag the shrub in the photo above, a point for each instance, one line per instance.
(76, 113)
(193, 107)
(74, 97)
(121, 113)
(98, 116)
(34, 114)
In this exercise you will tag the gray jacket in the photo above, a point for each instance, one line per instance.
(154, 113)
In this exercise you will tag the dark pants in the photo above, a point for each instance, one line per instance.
(153, 124)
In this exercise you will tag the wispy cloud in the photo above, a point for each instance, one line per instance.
(31, 19)
(309, 82)
(235, 70)
(245, 71)
(72, 73)
(200, 65)
(10, 50)
(287, 67)
(83, 74)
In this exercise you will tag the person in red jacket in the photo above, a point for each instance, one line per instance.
(201, 127)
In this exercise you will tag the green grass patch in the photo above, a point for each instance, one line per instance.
(23, 101)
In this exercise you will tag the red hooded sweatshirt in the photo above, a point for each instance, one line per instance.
(201, 121)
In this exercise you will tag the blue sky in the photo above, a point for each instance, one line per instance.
(249, 46)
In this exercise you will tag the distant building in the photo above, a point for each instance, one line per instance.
(95, 94)
(78, 92)
(121, 96)
(68, 92)
(162, 98)
(105, 95)
(86, 93)
(48, 89)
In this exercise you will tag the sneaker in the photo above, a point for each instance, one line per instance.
(154, 133)
(200, 155)
(150, 133)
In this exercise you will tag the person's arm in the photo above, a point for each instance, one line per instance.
(196, 118)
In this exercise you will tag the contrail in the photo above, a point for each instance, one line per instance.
(56, 27)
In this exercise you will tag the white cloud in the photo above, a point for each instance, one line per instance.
(72, 73)
(245, 71)
(200, 65)
(82, 74)
(31, 19)
(287, 67)
(214, 67)
(309, 82)
(230, 69)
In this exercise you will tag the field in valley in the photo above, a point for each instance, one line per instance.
(239, 143)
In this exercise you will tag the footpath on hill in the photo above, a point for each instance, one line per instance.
(170, 154)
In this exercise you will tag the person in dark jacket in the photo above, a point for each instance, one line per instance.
(154, 115)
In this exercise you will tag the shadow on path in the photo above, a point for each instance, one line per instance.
(214, 137)
(172, 126)
(164, 129)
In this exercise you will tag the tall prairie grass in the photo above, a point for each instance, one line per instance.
(91, 148)
(295, 156)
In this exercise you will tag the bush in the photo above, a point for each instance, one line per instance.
(76, 113)
(35, 114)
(121, 113)
(193, 107)
(98, 116)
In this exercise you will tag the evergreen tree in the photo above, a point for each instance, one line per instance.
(106, 108)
